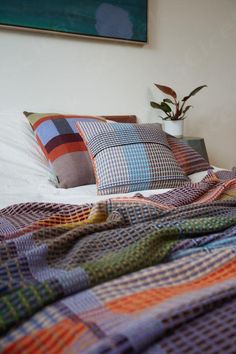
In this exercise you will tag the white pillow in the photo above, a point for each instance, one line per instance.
(21, 160)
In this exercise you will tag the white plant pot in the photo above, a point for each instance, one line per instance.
(174, 127)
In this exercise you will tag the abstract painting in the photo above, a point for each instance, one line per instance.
(111, 19)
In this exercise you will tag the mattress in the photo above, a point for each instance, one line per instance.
(26, 177)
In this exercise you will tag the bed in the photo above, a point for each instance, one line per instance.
(145, 271)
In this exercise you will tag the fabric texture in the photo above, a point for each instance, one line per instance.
(130, 157)
(63, 146)
(188, 159)
(126, 275)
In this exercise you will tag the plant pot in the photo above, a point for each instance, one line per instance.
(174, 127)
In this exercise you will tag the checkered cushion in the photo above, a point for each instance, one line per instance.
(130, 157)
(63, 146)
(188, 159)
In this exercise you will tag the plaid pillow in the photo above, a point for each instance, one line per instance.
(63, 146)
(188, 159)
(130, 157)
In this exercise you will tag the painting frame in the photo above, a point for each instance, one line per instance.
(133, 29)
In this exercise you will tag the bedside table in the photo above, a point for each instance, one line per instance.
(197, 144)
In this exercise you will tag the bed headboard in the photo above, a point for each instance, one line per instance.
(123, 118)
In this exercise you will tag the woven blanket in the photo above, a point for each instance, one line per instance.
(126, 275)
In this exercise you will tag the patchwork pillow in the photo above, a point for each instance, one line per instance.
(63, 146)
(188, 159)
(130, 157)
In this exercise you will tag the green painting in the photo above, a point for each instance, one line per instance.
(116, 19)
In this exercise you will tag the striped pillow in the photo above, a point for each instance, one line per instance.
(130, 157)
(188, 159)
(63, 146)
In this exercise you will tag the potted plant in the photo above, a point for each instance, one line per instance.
(175, 110)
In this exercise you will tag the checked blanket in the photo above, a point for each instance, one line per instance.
(126, 275)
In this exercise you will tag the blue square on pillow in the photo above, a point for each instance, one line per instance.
(46, 131)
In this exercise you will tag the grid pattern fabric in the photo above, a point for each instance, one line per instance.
(130, 157)
(212, 333)
(188, 159)
(126, 275)
(63, 146)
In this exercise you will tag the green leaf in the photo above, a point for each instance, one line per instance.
(165, 107)
(167, 90)
(155, 105)
(167, 100)
(196, 90)
(186, 109)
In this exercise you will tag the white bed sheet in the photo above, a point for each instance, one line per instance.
(42, 190)
(47, 192)
(26, 177)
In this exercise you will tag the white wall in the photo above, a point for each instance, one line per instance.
(191, 43)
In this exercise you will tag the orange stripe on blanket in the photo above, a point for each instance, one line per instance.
(142, 300)
(66, 148)
(60, 220)
(51, 340)
(216, 192)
